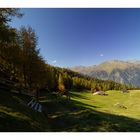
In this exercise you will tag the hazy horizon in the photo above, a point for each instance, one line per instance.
(71, 37)
(132, 60)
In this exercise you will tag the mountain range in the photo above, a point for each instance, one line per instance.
(124, 72)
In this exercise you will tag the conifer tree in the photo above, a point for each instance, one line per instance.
(61, 85)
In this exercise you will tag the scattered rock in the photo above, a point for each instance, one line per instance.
(120, 106)
(100, 93)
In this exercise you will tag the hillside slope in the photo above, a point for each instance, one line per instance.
(84, 113)
(16, 116)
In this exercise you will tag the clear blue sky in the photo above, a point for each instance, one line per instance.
(70, 37)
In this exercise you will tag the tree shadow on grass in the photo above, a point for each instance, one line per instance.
(84, 119)
(9, 123)
(83, 105)
(16, 116)
(79, 95)
(63, 116)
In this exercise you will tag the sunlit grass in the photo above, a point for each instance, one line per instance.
(109, 103)
(85, 112)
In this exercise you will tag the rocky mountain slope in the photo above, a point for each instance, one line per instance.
(127, 72)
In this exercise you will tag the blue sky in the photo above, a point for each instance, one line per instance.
(71, 37)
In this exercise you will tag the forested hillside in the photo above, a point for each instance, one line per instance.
(22, 63)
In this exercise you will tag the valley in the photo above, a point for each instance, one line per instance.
(38, 93)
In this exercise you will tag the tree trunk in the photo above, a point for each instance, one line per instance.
(37, 94)
(24, 76)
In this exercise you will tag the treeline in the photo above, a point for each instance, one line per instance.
(21, 62)
(73, 80)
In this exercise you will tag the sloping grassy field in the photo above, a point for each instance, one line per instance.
(116, 102)
(15, 116)
(116, 112)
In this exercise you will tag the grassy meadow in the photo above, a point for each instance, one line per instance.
(127, 104)
(116, 112)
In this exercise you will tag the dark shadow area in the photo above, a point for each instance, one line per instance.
(79, 104)
(16, 116)
(13, 124)
(79, 95)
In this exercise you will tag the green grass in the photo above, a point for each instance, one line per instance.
(16, 116)
(86, 112)
(109, 103)
(83, 113)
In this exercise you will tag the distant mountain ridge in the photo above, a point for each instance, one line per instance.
(127, 72)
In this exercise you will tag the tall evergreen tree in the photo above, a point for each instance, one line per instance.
(61, 85)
